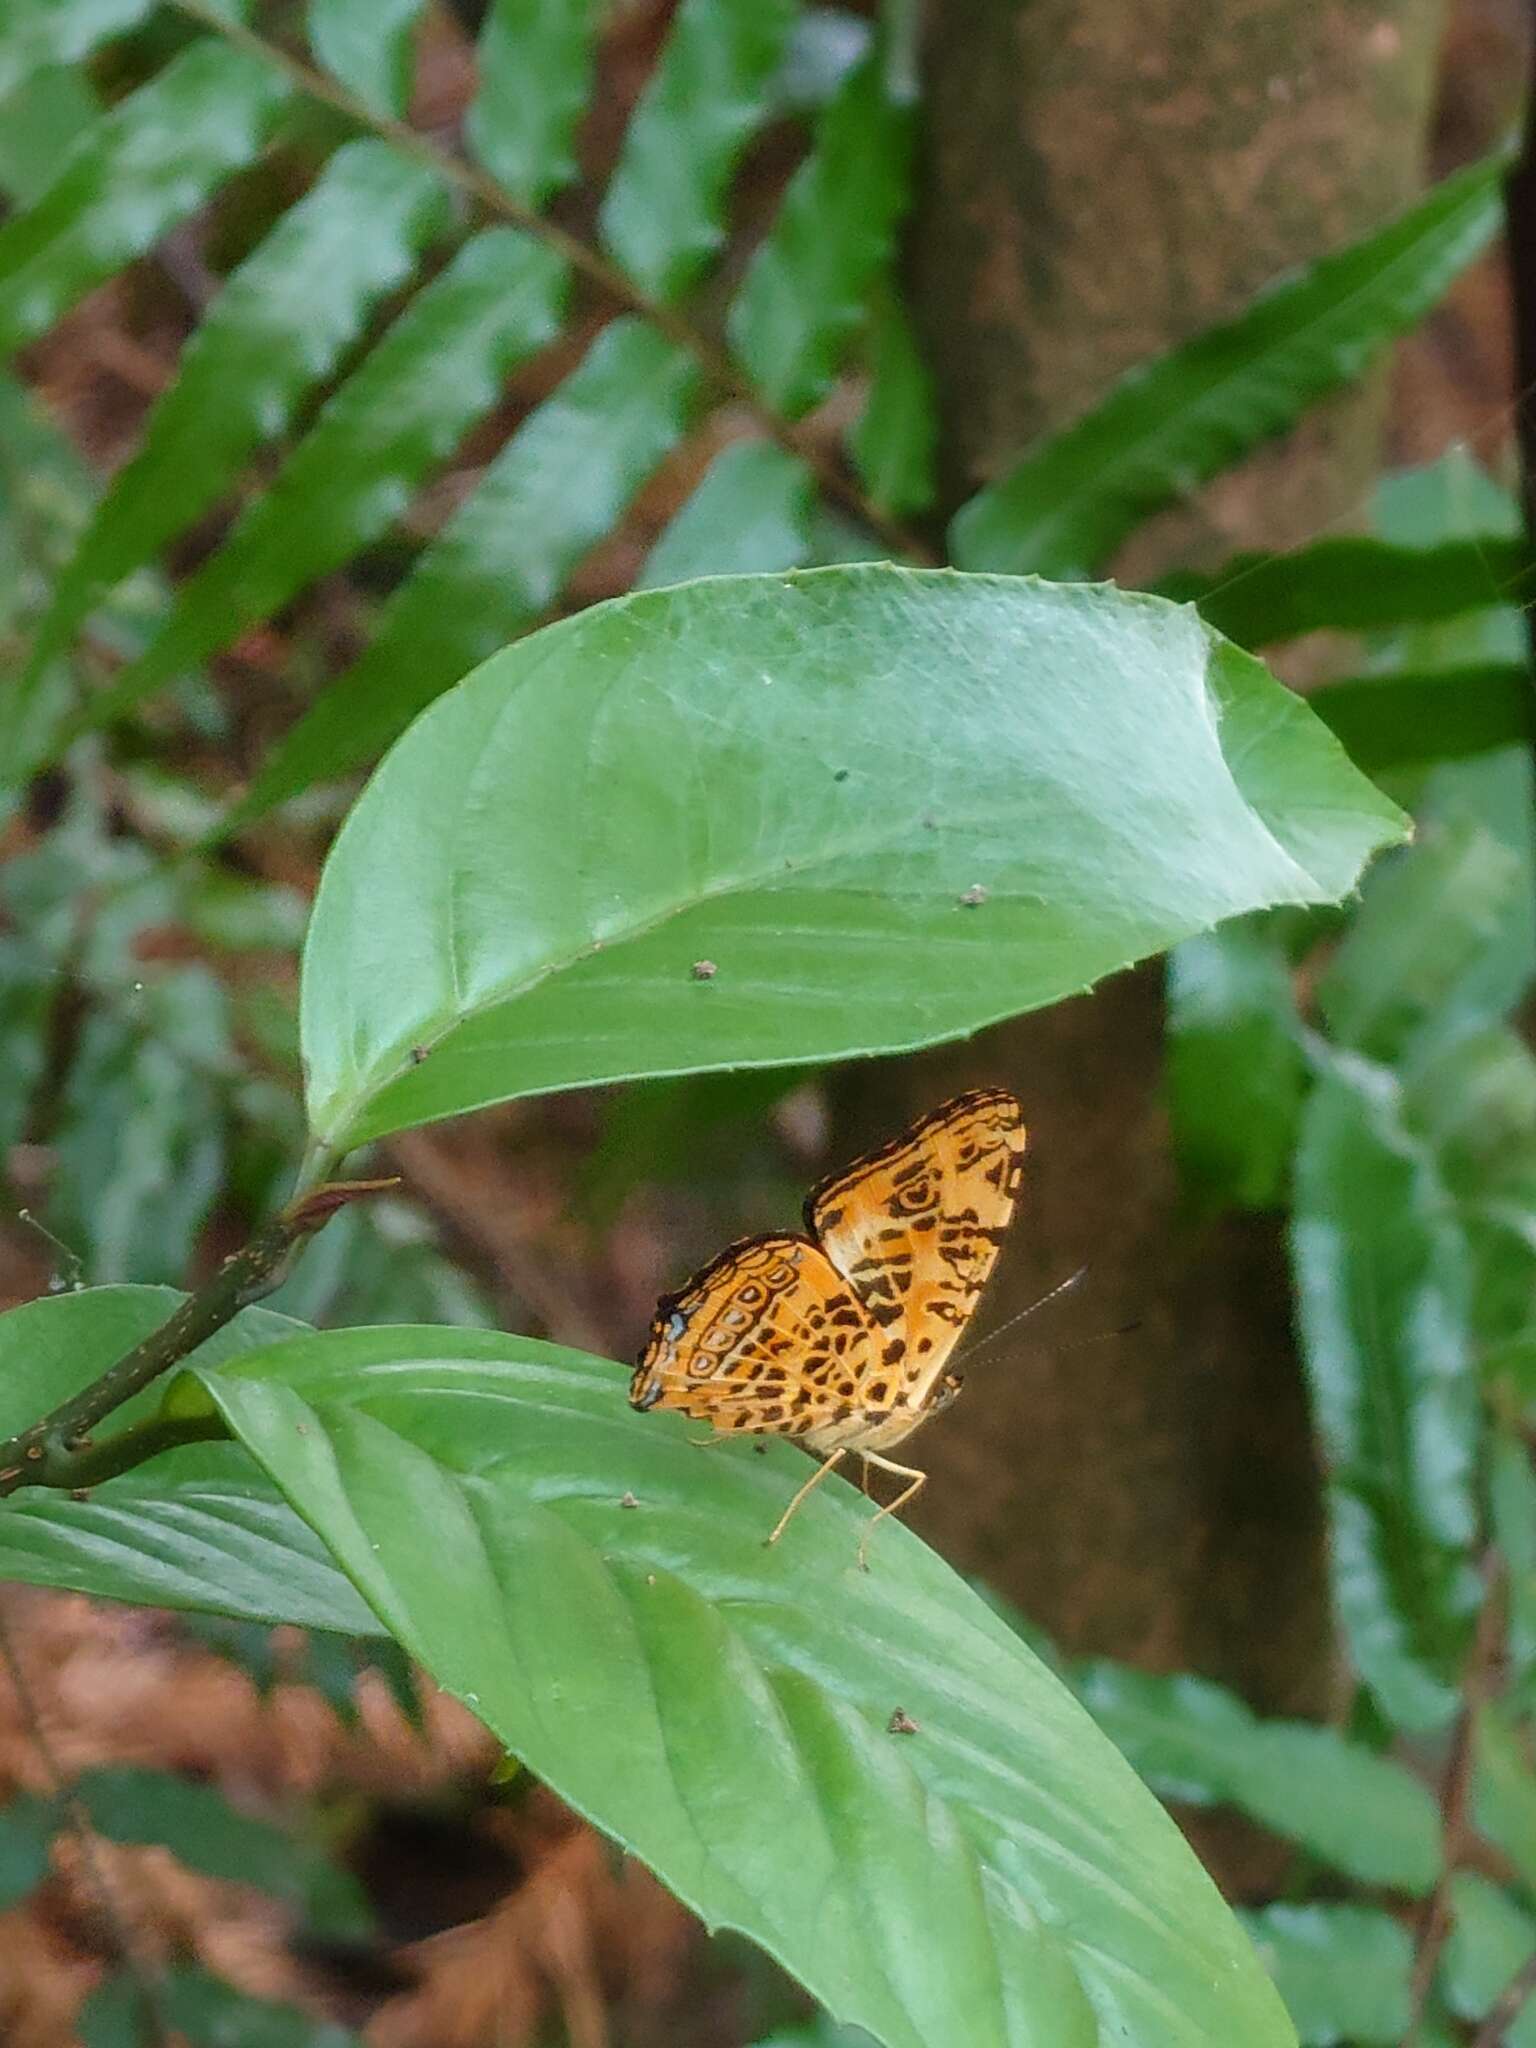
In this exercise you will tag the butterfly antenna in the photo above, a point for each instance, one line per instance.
(1062, 1287)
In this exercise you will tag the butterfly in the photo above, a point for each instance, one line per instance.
(840, 1338)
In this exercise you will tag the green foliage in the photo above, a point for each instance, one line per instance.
(748, 845)
(1342, 1970)
(731, 1666)
(1169, 425)
(205, 2011)
(799, 779)
(202, 1530)
(663, 212)
(751, 511)
(27, 1828)
(1236, 1066)
(1492, 1939)
(1195, 1742)
(202, 1830)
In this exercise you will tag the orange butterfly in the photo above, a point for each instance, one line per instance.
(840, 1338)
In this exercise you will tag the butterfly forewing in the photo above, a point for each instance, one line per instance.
(915, 1229)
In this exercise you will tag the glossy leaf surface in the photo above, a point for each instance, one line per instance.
(439, 368)
(142, 167)
(556, 488)
(277, 327)
(804, 294)
(750, 511)
(663, 213)
(1059, 1904)
(899, 832)
(200, 1527)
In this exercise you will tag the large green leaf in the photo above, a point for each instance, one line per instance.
(1383, 1296)
(662, 215)
(885, 806)
(200, 1527)
(557, 486)
(1172, 423)
(277, 328)
(138, 170)
(1196, 1742)
(726, 1710)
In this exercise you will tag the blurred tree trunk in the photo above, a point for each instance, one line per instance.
(1101, 181)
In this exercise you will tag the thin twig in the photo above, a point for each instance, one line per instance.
(1456, 1792)
(141, 1968)
(1506, 2008)
(718, 368)
(56, 1450)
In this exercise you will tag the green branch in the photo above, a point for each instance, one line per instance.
(57, 1450)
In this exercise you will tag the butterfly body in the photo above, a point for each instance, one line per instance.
(840, 1338)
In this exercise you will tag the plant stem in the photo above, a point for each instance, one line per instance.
(586, 262)
(49, 1452)
(93, 1462)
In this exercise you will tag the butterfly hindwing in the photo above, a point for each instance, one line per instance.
(769, 1337)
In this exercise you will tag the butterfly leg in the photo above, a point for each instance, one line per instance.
(919, 1481)
(815, 1480)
